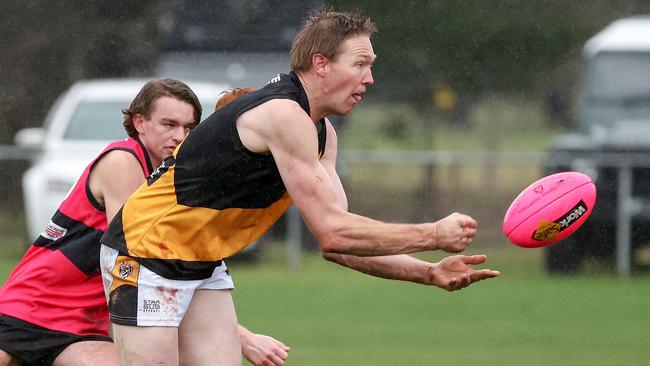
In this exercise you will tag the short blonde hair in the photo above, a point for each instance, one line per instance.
(323, 33)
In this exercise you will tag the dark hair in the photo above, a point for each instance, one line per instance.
(230, 95)
(150, 92)
(323, 32)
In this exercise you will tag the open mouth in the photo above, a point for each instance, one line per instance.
(357, 97)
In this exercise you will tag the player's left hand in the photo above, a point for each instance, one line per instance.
(454, 272)
(262, 350)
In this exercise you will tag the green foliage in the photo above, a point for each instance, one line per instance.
(479, 46)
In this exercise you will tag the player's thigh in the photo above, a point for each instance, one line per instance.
(146, 345)
(209, 333)
(88, 353)
(7, 360)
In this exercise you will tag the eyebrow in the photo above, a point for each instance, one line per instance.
(171, 120)
(370, 57)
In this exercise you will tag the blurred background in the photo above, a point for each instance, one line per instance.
(469, 95)
(469, 101)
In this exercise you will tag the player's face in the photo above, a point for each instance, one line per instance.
(169, 122)
(350, 74)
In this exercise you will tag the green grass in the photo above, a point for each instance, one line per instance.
(331, 315)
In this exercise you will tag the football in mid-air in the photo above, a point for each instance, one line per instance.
(550, 209)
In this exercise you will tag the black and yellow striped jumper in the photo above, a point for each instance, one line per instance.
(210, 200)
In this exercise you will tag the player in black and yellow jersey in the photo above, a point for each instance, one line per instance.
(232, 178)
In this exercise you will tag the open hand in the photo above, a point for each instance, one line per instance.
(454, 272)
(262, 350)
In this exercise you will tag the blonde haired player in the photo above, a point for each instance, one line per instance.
(232, 178)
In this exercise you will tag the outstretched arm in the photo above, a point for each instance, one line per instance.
(451, 273)
(283, 128)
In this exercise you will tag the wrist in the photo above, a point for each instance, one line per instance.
(244, 336)
(432, 235)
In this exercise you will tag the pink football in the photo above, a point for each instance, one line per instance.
(550, 209)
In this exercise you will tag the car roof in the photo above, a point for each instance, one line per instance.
(127, 88)
(628, 34)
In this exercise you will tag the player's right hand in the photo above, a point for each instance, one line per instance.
(454, 233)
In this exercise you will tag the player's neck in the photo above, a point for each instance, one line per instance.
(310, 84)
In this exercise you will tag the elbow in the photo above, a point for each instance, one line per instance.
(329, 243)
(327, 246)
(331, 233)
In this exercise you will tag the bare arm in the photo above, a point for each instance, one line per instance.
(329, 163)
(282, 127)
(114, 178)
(452, 273)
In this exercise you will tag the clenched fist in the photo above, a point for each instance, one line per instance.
(454, 233)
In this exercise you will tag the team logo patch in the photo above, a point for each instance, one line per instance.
(546, 230)
(53, 231)
(126, 269)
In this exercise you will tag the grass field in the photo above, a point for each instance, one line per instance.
(334, 316)
(330, 315)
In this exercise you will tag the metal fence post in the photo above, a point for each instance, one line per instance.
(294, 245)
(624, 221)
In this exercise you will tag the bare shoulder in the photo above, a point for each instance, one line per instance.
(272, 121)
(117, 161)
(273, 111)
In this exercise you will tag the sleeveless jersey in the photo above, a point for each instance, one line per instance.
(57, 284)
(212, 198)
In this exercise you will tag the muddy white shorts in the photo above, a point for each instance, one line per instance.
(138, 296)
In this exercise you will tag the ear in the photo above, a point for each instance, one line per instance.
(320, 63)
(138, 121)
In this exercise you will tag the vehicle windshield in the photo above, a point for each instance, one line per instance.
(102, 120)
(620, 77)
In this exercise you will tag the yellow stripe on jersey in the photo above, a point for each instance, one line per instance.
(156, 226)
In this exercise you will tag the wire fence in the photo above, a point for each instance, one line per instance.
(400, 186)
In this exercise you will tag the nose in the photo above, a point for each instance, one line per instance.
(179, 134)
(368, 80)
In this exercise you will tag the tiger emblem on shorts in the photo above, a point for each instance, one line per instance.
(126, 269)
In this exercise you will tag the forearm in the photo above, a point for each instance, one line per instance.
(394, 267)
(361, 236)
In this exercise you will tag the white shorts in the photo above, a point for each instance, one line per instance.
(137, 296)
